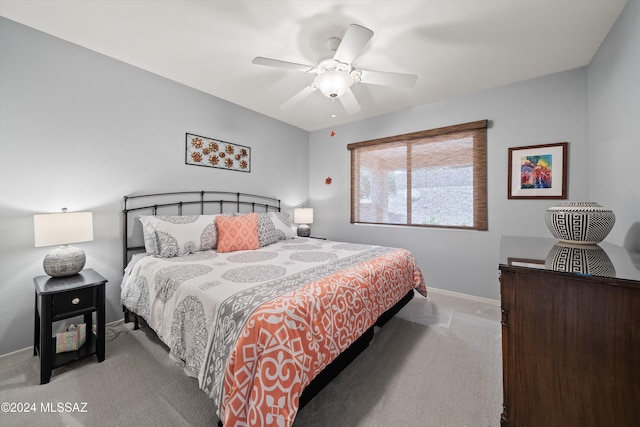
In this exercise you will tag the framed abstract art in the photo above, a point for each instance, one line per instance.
(538, 171)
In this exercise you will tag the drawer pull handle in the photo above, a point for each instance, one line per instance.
(75, 301)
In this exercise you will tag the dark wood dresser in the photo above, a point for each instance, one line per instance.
(570, 334)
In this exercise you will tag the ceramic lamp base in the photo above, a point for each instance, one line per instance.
(64, 261)
(304, 230)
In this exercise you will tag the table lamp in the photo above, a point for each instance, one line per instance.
(304, 217)
(63, 229)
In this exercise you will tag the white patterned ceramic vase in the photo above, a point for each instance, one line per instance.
(585, 223)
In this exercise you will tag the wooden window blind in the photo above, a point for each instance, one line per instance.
(435, 177)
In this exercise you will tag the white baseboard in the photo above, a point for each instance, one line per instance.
(30, 348)
(466, 296)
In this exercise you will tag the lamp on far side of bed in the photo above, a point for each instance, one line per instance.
(63, 229)
(304, 217)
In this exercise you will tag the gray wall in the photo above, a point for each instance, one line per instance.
(540, 111)
(614, 126)
(81, 130)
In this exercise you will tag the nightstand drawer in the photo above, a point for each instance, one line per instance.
(74, 301)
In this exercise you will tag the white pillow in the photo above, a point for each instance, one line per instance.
(170, 236)
(149, 233)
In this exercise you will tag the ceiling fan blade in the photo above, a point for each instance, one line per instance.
(349, 102)
(282, 64)
(354, 40)
(388, 79)
(298, 97)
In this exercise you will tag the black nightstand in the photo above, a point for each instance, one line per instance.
(58, 298)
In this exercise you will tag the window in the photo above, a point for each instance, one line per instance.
(434, 178)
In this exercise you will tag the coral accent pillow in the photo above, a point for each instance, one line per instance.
(237, 233)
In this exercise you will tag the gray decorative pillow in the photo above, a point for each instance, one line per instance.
(283, 226)
(267, 233)
(170, 236)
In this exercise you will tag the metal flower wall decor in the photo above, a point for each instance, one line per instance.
(214, 153)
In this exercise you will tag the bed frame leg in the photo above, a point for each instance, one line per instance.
(127, 319)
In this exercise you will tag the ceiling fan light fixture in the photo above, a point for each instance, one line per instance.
(333, 83)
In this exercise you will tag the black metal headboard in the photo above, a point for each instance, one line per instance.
(185, 203)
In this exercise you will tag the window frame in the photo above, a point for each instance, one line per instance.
(478, 131)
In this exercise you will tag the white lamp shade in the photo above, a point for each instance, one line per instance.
(333, 83)
(303, 216)
(62, 228)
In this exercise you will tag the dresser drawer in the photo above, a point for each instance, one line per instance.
(74, 301)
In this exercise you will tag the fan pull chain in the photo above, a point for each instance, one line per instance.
(333, 107)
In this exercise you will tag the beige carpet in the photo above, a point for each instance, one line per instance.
(437, 363)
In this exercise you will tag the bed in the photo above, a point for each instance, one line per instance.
(263, 318)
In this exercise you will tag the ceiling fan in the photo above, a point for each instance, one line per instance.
(336, 76)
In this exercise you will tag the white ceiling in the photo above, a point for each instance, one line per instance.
(454, 46)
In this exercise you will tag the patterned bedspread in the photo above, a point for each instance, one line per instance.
(257, 326)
